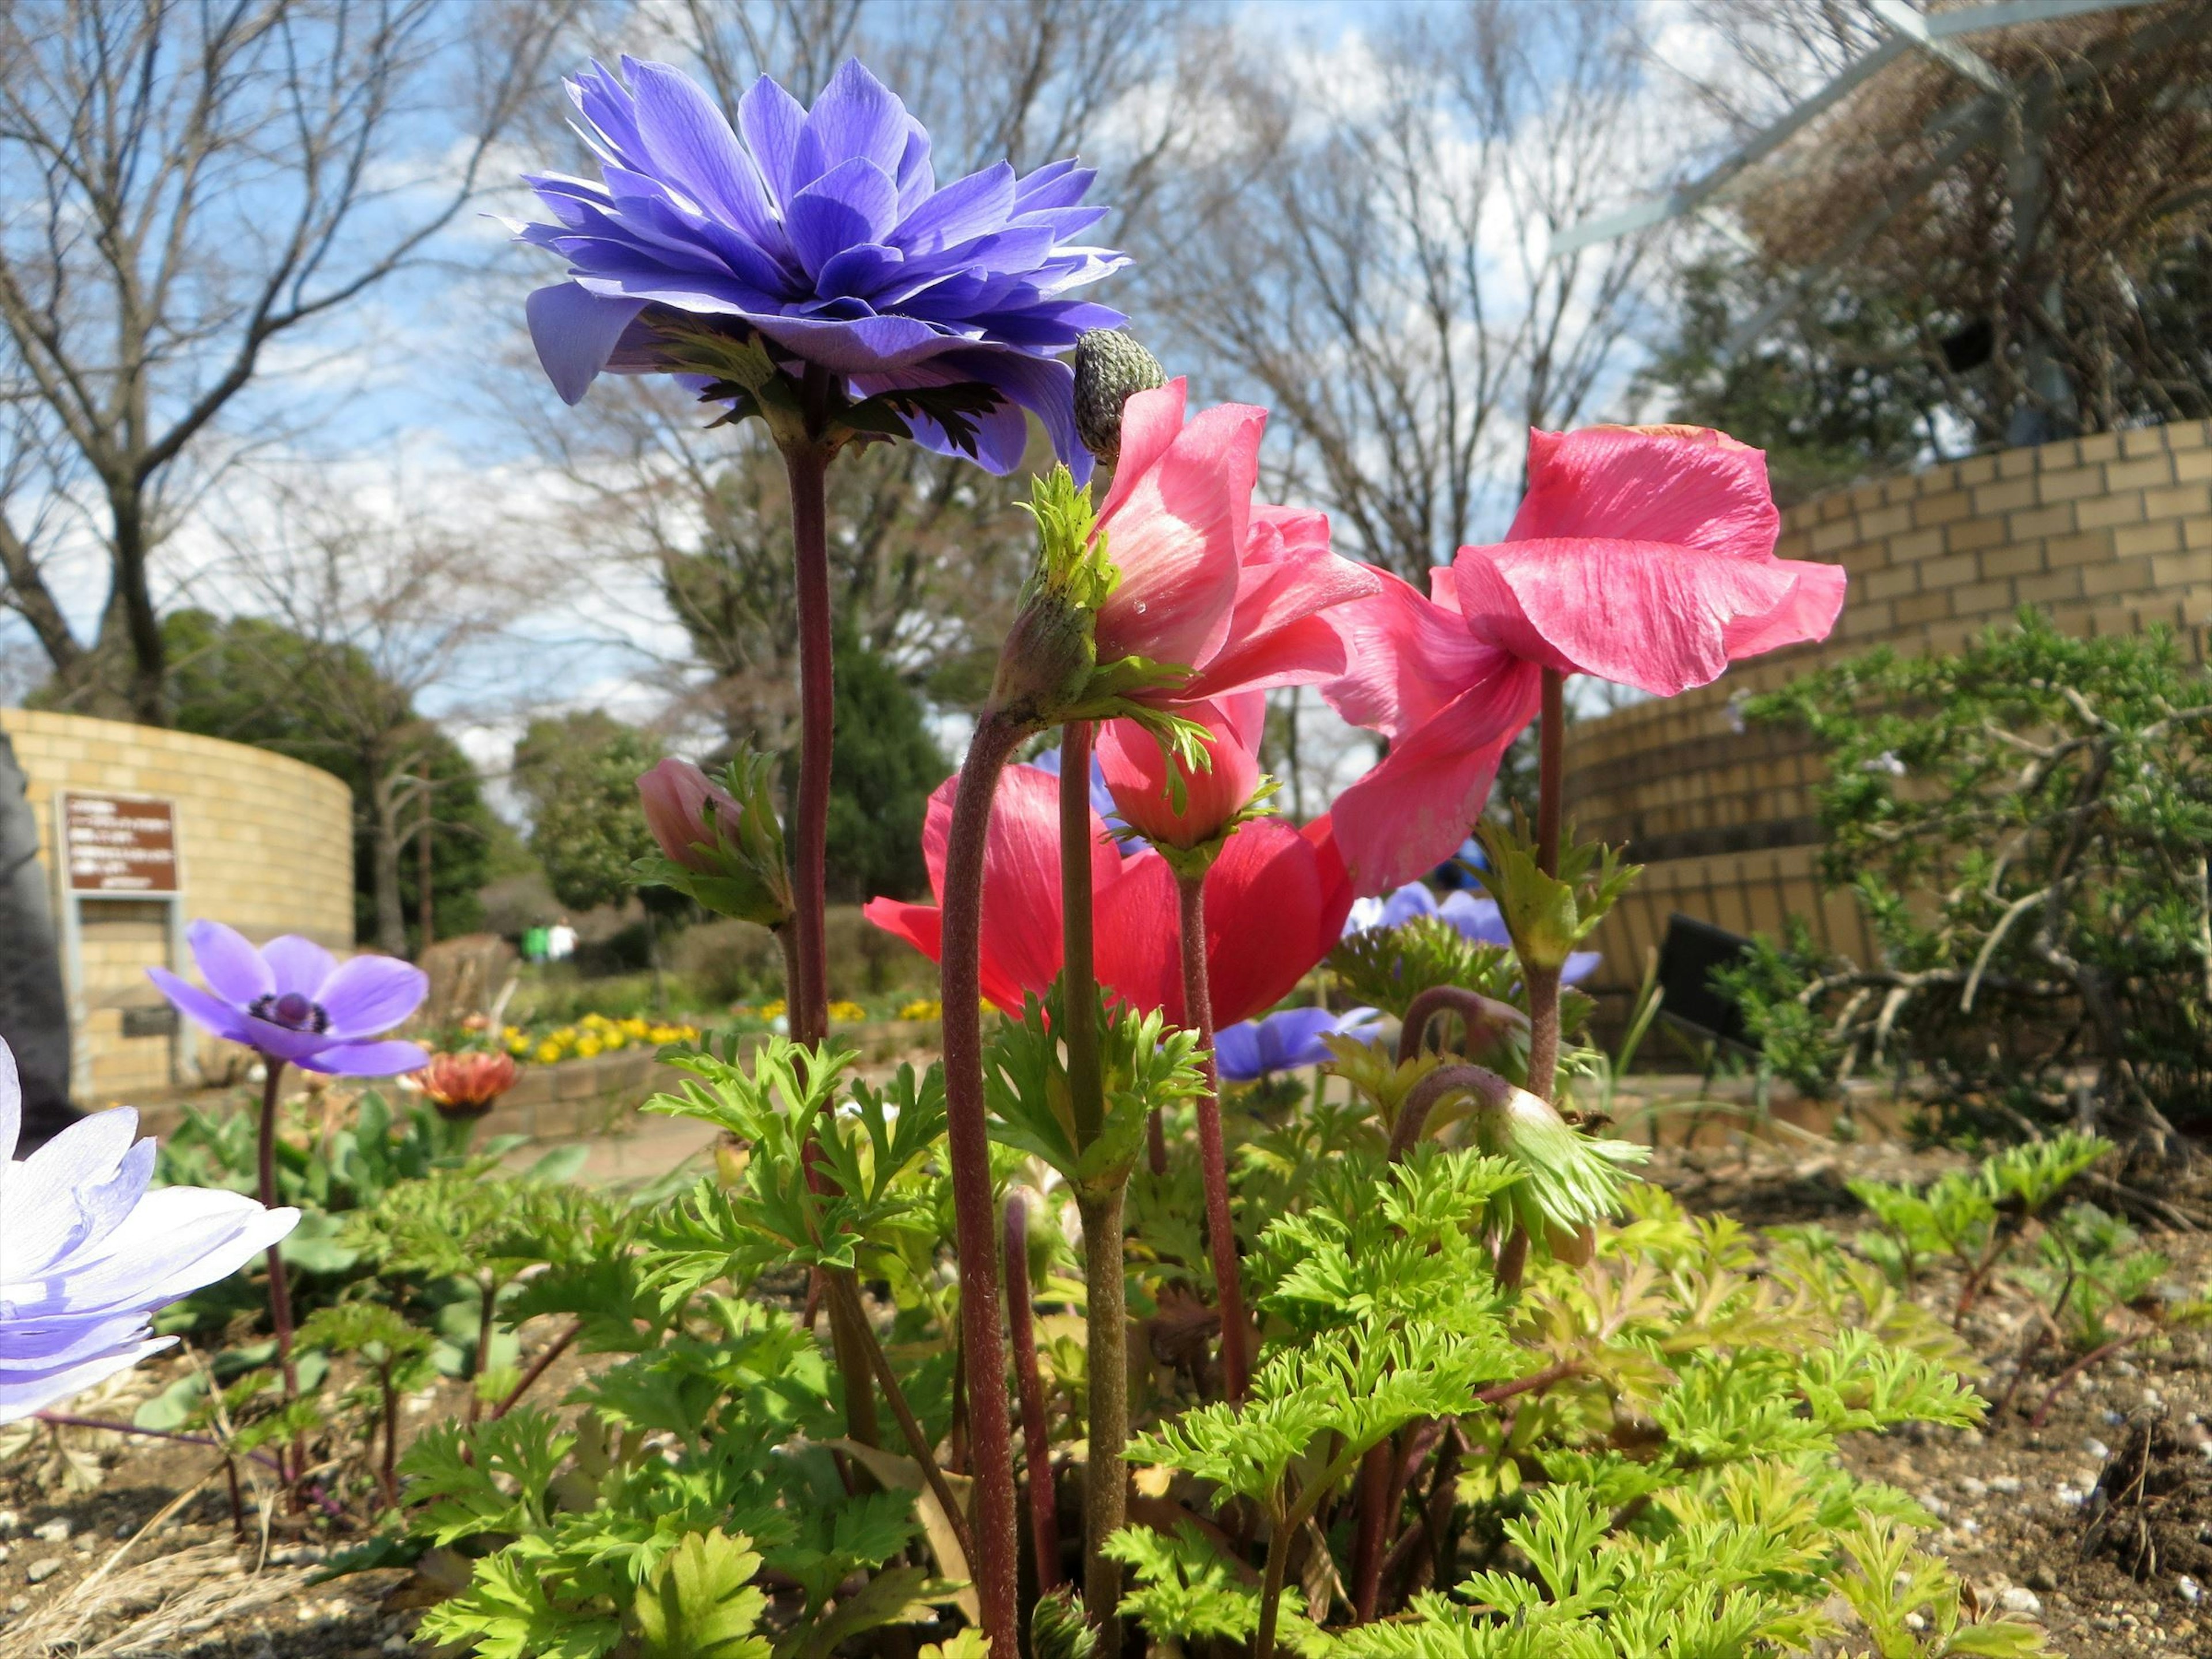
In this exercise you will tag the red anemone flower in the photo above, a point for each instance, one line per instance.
(1276, 899)
(1641, 555)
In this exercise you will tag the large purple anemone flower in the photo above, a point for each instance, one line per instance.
(87, 1254)
(823, 231)
(1253, 1049)
(294, 1003)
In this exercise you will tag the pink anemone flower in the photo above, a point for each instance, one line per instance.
(1136, 773)
(1236, 594)
(1275, 904)
(1642, 554)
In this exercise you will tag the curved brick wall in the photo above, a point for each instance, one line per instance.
(264, 843)
(2109, 534)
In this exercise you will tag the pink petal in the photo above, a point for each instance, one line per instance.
(1149, 422)
(1406, 659)
(1649, 614)
(1412, 811)
(1135, 937)
(1136, 772)
(1176, 538)
(1289, 586)
(1809, 613)
(1269, 900)
(1681, 484)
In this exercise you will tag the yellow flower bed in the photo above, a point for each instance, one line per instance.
(594, 1033)
(923, 1008)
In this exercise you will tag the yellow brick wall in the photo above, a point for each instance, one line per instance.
(263, 842)
(2108, 534)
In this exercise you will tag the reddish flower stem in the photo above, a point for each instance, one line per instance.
(975, 1231)
(538, 1366)
(806, 464)
(280, 1286)
(1543, 983)
(1212, 1157)
(1036, 1440)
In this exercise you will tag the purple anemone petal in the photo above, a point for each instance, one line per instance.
(857, 118)
(86, 1252)
(1581, 964)
(772, 120)
(298, 965)
(1237, 1052)
(853, 203)
(210, 1013)
(575, 333)
(824, 232)
(22, 1392)
(692, 142)
(368, 995)
(367, 1060)
(233, 967)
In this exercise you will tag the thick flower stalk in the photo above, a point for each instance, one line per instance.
(292, 1003)
(1190, 812)
(88, 1253)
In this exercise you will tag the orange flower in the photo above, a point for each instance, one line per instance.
(466, 1085)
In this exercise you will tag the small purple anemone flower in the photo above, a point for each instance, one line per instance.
(1478, 918)
(294, 1003)
(87, 1254)
(1253, 1049)
(824, 233)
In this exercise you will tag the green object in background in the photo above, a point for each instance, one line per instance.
(533, 944)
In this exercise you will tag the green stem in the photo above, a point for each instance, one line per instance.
(1106, 1475)
(1213, 1156)
(983, 1357)
(1078, 976)
(1036, 1436)
(844, 1288)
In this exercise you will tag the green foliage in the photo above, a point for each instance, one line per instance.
(579, 772)
(2023, 825)
(253, 681)
(1548, 915)
(1147, 1065)
(876, 1200)
(885, 767)
(1387, 968)
(1973, 1216)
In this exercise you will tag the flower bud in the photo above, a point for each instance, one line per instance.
(1110, 367)
(1146, 781)
(721, 843)
(681, 802)
(465, 1085)
(1051, 649)
(1058, 1629)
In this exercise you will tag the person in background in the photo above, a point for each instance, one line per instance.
(559, 941)
(533, 942)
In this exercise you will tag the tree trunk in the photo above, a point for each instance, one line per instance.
(384, 865)
(142, 625)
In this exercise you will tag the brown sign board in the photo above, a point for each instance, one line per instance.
(119, 844)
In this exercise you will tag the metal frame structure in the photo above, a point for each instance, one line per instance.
(1996, 109)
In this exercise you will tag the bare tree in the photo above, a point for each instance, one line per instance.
(1366, 251)
(187, 185)
(2036, 215)
(353, 616)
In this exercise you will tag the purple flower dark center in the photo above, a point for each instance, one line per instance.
(292, 1011)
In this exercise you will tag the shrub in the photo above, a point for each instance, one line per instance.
(2024, 825)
